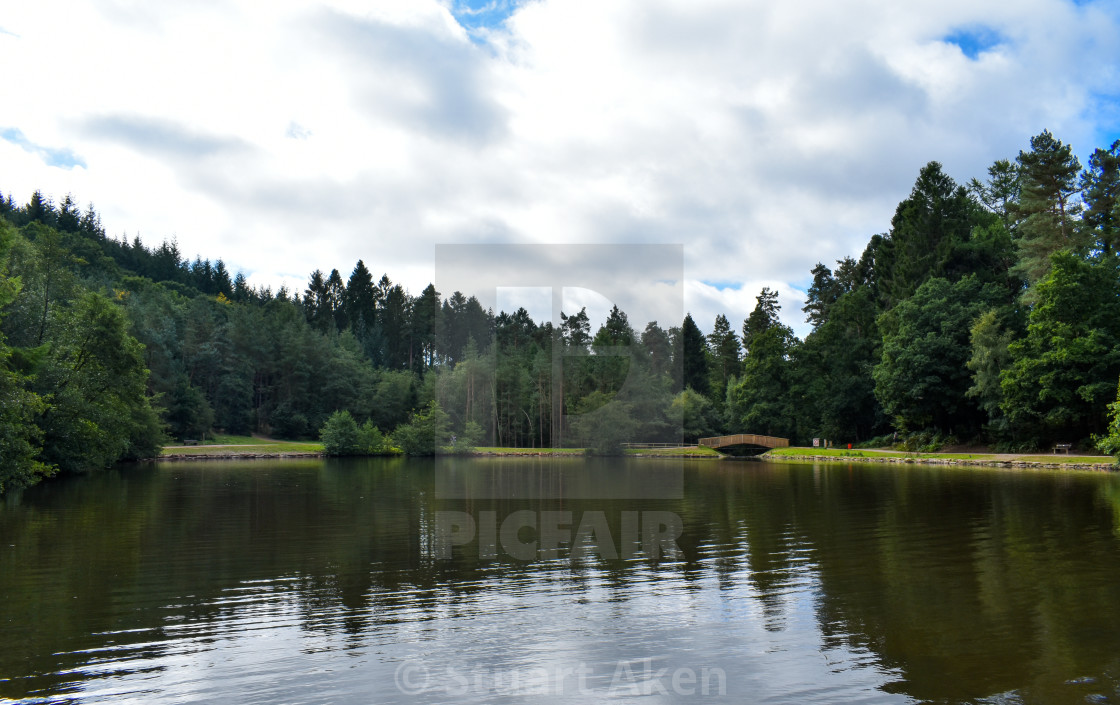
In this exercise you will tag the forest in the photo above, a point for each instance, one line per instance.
(988, 313)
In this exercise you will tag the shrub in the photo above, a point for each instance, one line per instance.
(469, 439)
(1110, 442)
(422, 434)
(340, 435)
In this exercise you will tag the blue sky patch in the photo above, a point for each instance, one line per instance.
(1103, 111)
(973, 41)
(720, 285)
(483, 14)
(62, 158)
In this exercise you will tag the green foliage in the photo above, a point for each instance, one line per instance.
(1046, 212)
(1061, 374)
(927, 232)
(373, 442)
(762, 318)
(927, 329)
(699, 417)
(425, 433)
(1100, 191)
(96, 383)
(831, 383)
(188, 413)
(603, 424)
(725, 356)
(20, 437)
(1109, 443)
(759, 399)
(990, 356)
(1001, 192)
(341, 435)
(928, 441)
(922, 377)
(694, 353)
(469, 439)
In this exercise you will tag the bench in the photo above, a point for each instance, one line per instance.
(189, 442)
(1062, 447)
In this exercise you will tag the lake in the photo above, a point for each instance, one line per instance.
(518, 580)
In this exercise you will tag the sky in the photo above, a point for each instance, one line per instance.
(762, 137)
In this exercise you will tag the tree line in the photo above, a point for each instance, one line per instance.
(988, 312)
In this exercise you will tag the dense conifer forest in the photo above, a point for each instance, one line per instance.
(989, 312)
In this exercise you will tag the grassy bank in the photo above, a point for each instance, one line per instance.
(223, 446)
(870, 455)
(686, 452)
(494, 450)
(252, 446)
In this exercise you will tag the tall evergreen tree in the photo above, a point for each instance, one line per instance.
(336, 300)
(424, 309)
(1061, 375)
(922, 377)
(1100, 192)
(1047, 209)
(694, 356)
(822, 293)
(725, 356)
(576, 330)
(659, 350)
(762, 318)
(360, 300)
(69, 217)
(926, 231)
(1001, 192)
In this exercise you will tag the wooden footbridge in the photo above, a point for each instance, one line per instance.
(744, 443)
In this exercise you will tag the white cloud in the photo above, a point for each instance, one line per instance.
(764, 137)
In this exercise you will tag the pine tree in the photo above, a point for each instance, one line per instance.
(762, 318)
(1001, 192)
(926, 231)
(694, 352)
(725, 355)
(336, 300)
(90, 224)
(40, 209)
(576, 329)
(360, 300)
(822, 293)
(424, 309)
(69, 217)
(1046, 213)
(1100, 191)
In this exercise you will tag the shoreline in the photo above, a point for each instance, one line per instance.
(774, 458)
(966, 462)
(177, 457)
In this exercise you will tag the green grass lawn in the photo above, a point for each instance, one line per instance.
(696, 451)
(511, 451)
(844, 453)
(244, 445)
(1063, 458)
(637, 452)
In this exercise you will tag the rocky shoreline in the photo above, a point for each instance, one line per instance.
(230, 456)
(1025, 464)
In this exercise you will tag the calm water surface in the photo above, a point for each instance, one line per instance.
(325, 582)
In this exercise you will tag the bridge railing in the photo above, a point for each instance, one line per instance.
(744, 439)
(654, 445)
